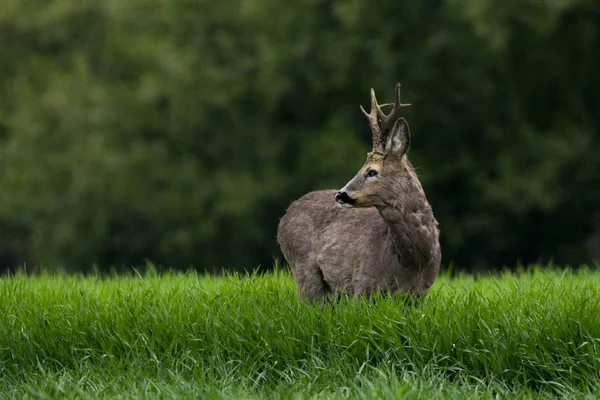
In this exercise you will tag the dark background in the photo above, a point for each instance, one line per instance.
(178, 131)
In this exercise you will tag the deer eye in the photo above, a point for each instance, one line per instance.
(371, 173)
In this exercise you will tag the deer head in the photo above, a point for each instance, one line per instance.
(386, 172)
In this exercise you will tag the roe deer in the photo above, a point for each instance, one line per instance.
(377, 233)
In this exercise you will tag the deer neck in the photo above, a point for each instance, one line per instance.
(411, 228)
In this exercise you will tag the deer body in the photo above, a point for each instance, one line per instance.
(378, 233)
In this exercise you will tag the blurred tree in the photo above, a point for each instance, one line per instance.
(178, 131)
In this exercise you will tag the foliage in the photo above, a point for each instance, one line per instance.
(534, 334)
(179, 131)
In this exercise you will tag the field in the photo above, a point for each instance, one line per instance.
(533, 334)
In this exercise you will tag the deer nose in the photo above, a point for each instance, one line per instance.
(343, 198)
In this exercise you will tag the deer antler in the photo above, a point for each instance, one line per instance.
(380, 122)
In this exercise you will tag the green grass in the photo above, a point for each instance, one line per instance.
(530, 335)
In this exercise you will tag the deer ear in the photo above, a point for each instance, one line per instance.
(399, 139)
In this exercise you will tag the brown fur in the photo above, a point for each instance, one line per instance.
(388, 240)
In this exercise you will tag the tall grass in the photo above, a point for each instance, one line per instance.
(532, 334)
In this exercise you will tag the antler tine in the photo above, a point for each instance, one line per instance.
(389, 119)
(381, 122)
(372, 117)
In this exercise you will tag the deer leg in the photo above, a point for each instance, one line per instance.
(310, 281)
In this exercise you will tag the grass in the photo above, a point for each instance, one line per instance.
(533, 334)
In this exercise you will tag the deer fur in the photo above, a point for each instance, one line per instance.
(378, 233)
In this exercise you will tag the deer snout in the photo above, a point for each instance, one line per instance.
(344, 199)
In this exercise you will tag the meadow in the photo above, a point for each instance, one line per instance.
(529, 334)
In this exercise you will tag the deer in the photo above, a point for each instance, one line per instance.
(376, 234)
